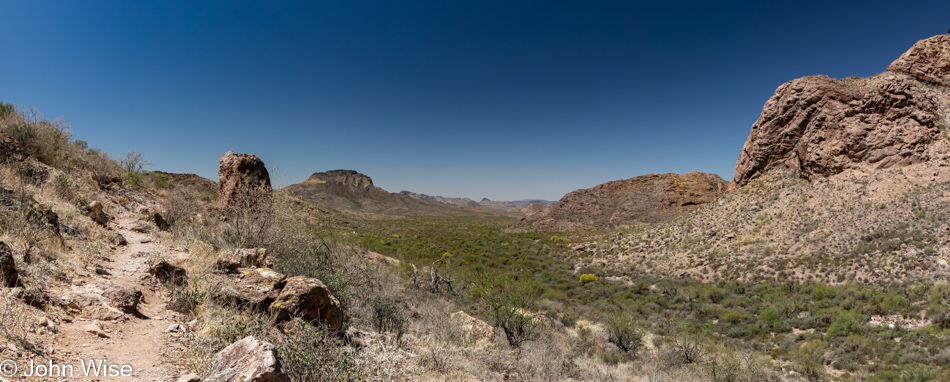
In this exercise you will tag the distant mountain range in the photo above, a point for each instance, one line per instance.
(485, 203)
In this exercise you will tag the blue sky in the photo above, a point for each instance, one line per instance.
(498, 99)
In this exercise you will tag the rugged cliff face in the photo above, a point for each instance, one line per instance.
(644, 199)
(820, 126)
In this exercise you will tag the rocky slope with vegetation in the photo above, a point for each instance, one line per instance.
(644, 199)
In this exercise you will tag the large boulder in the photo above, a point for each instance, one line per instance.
(253, 288)
(309, 299)
(102, 301)
(820, 126)
(8, 274)
(248, 360)
(243, 258)
(238, 169)
(471, 328)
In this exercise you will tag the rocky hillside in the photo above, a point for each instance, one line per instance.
(348, 190)
(840, 180)
(645, 199)
(821, 126)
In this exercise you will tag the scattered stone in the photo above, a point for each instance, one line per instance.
(168, 273)
(146, 241)
(34, 297)
(173, 328)
(95, 327)
(238, 168)
(120, 240)
(141, 229)
(8, 274)
(309, 299)
(248, 360)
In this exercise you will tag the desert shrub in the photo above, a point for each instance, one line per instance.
(624, 331)
(47, 141)
(511, 302)
(388, 316)
(63, 186)
(186, 299)
(310, 354)
(588, 278)
(847, 323)
(134, 163)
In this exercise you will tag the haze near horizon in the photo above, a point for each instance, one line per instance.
(460, 99)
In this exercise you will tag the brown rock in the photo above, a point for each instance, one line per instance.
(159, 221)
(10, 149)
(119, 240)
(820, 126)
(125, 299)
(309, 299)
(9, 277)
(236, 168)
(169, 273)
(248, 360)
(87, 304)
(928, 61)
(96, 213)
(648, 199)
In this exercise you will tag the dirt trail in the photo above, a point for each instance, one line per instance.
(142, 341)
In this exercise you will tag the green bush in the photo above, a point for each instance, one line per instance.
(512, 303)
(388, 317)
(624, 331)
(588, 278)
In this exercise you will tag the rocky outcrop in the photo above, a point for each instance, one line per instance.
(10, 149)
(248, 360)
(237, 169)
(645, 199)
(928, 61)
(8, 274)
(820, 126)
(310, 300)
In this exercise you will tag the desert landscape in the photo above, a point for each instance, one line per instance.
(826, 257)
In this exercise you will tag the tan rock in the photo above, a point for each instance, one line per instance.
(243, 258)
(248, 360)
(472, 328)
(309, 299)
(236, 168)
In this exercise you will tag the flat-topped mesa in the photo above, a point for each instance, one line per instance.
(821, 126)
(347, 178)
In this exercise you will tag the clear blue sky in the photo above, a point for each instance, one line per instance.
(498, 99)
